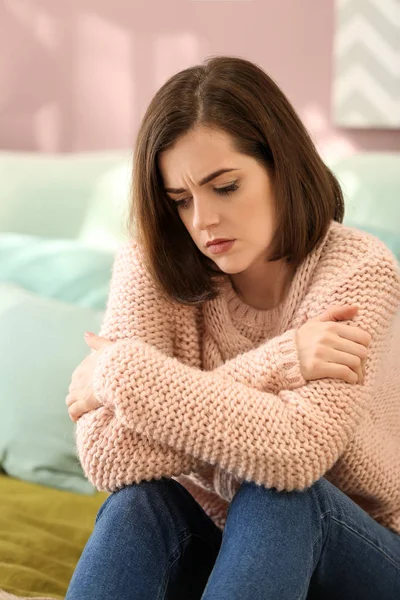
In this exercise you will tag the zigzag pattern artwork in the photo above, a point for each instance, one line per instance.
(366, 83)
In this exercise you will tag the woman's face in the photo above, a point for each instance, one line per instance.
(244, 213)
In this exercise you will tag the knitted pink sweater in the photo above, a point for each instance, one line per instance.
(213, 395)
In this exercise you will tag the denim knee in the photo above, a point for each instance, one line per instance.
(132, 499)
(266, 502)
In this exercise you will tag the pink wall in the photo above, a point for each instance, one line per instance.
(78, 74)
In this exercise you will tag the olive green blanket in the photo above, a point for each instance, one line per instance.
(42, 534)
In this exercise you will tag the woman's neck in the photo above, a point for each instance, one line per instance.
(267, 289)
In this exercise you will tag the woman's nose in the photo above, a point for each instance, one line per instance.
(204, 216)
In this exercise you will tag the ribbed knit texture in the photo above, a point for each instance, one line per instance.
(213, 395)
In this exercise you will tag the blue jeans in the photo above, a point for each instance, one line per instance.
(153, 541)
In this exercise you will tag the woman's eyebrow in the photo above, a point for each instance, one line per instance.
(203, 181)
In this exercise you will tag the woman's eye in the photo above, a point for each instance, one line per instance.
(182, 203)
(221, 191)
(227, 190)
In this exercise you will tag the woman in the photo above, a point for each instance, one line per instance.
(242, 398)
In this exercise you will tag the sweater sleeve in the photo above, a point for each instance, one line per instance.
(111, 454)
(273, 366)
(286, 440)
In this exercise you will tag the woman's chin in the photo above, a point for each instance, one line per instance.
(230, 267)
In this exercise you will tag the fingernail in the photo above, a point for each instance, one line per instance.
(89, 334)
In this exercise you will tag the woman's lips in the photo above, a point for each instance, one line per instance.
(221, 247)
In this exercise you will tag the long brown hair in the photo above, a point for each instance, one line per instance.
(237, 97)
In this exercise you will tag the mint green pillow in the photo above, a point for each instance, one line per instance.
(371, 183)
(41, 343)
(66, 270)
(74, 195)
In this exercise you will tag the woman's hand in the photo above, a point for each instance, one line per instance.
(330, 349)
(81, 398)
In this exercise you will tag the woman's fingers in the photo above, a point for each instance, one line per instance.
(355, 334)
(70, 399)
(350, 347)
(355, 349)
(349, 360)
(76, 410)
(338, 371)
(74, 393)
(364, 360)
(80, 407)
